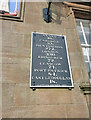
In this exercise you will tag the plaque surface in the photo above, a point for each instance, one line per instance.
(50, 66)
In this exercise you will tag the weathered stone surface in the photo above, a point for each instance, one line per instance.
(73, 36)
(0, 100)
(88, 98)
(77, 74)
(6, 26)
(53, 97)
(18, 70)
(75, 59)
(89, 106)
(18, 112)
(27, 41)
(38, 111)
(26, 28)
(19, 101)
(76, 96)
(77, 111)
(8, 94)
(24, 96)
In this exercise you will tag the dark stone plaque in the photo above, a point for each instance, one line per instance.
(50, 66)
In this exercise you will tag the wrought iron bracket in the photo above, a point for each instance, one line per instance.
(47, 13)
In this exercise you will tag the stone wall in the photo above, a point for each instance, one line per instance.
(18, 99)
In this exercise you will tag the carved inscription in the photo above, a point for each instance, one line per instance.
(50, 64)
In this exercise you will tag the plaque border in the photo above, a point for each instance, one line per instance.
(50, 86)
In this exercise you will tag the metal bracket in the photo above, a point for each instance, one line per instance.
(47, 13)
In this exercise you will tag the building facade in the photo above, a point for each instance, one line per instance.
(18, 99)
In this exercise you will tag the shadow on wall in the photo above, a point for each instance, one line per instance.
(60, 13)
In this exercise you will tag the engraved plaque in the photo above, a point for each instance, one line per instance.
(50, 66)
